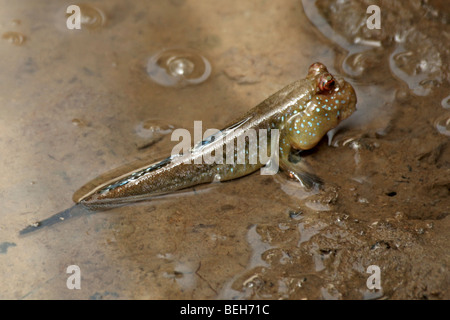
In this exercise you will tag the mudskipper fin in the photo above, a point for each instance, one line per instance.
(297, 169)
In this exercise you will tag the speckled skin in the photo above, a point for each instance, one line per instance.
(303, 112)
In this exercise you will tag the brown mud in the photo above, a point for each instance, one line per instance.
(77, 103)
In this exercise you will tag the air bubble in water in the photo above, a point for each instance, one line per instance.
(13, 37)
(78, 123)
(151, 131)
(178, 68)
(446, 102)
(91, 17)
(443, 125)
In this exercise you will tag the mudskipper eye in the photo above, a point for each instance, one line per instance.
(326, 83)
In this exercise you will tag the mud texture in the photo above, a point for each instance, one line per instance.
(75, 104)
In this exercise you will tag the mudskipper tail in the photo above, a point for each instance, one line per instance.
(72, 212)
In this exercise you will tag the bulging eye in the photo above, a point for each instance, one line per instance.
(326, 83)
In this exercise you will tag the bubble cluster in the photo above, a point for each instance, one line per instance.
(178, 68)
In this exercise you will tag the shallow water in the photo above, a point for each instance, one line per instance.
(75, 104)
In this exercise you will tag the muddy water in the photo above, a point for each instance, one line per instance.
(77, 103)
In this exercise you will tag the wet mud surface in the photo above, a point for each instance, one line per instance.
(75, 104)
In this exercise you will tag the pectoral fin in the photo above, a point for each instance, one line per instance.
(295, 167)
(299, 172)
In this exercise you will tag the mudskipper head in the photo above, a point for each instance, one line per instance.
(333, 93)
(331, 101)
